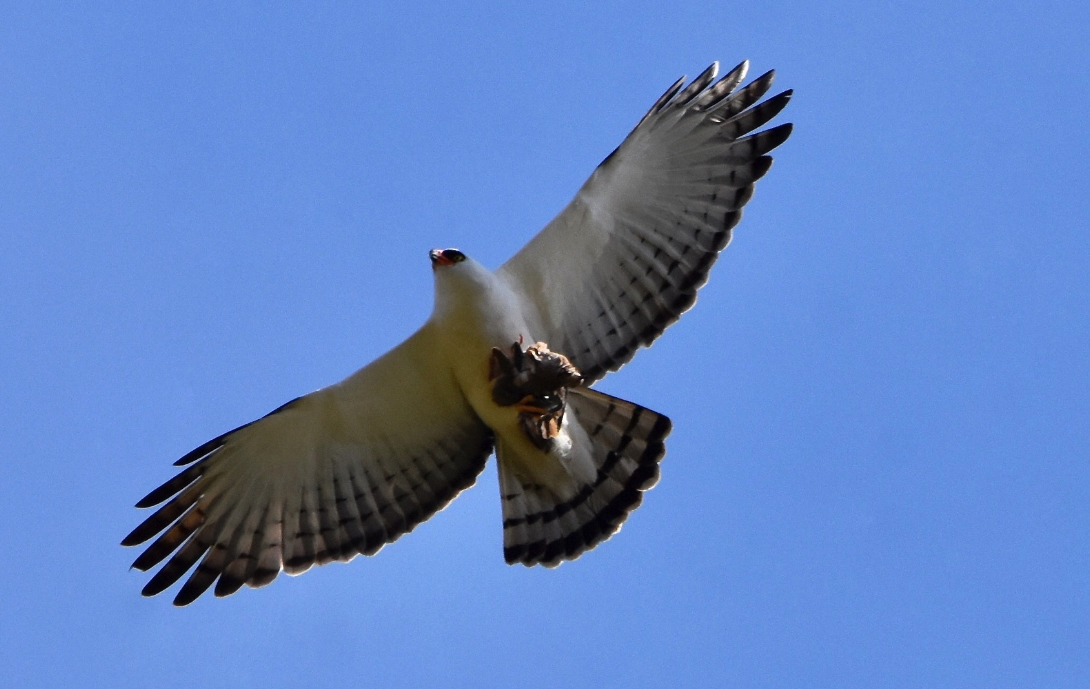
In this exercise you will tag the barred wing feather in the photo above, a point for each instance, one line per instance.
(335, 473)
(625, 258)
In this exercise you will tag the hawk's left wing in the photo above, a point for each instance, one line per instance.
(338, 472)
(625, 258)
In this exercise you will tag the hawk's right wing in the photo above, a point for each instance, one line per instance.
(338, 472)
(625, 258)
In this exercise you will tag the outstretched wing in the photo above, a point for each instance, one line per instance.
(625, 258)
(341, 471)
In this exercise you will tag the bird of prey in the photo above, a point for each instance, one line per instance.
(504, 363)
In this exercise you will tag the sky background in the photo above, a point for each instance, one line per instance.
(879, 471)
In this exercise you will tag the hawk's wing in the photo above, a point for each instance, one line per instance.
(625, 258)
(341, 471)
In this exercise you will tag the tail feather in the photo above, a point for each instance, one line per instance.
(627, 444)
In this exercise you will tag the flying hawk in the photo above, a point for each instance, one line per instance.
(504, 363)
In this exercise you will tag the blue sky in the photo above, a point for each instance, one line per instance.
(878, 475)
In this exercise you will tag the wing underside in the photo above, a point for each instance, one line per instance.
(626, 257)
(339, 472)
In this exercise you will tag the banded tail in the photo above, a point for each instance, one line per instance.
(540, 527)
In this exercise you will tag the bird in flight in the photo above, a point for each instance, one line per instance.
(504, 363)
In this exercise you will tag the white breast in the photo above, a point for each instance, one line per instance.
(474, 312)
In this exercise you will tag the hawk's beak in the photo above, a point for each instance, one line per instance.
(438, 259)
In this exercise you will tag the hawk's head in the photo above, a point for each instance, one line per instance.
(445, 257)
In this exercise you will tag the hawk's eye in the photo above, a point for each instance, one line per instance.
(453, 255)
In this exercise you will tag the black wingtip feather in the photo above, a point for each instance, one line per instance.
(755, 145)
(759, 169)
(227, 585)
(741, 99)
(170, 540)
(776, 136)
(749, 120)
(757, 88)
(221, 440)
(176, 568)
(137, 536)
(697, 86)
(773, 106)
(162, 518)
(665, 98)
(195, 586)
(206, 449)
(171, 487)
(722, 89)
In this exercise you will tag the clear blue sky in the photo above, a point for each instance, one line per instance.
(879, 471)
